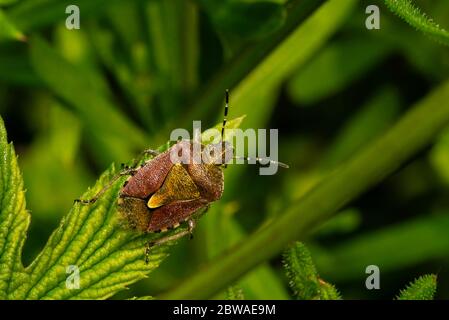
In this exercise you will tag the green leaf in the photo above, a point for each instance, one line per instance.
(301, 272)
(174, 39)
(423, 288)
(346, 221)
(52, 153)
(368, 122)
(112, 135)
(214, 133)
(264, 80)
(8, 31)
(6, 2)
(94, 239)
(413, 241)
(142, 298)
(14, 219)
(358, 56)
(413, 16)
(16, 69)
(238, 68)
(245, 19)
(34, 14)
(439, 156)
(303, 276)
(328, 291)
(135, 84)
(235, 293)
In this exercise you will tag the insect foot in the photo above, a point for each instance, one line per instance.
(192, 225)
(149, 245)
(125, 167)
(82, 201)
(153, 243)
(127, 171)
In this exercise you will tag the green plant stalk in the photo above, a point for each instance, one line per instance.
(414, 131)
(407, 10)
(34, 15)
(249, 57)
(423, 288)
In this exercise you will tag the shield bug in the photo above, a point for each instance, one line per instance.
(175, 186)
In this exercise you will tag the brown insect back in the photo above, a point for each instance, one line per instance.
(178, 186)
(172, 192)
(163, 193)
(149, 178)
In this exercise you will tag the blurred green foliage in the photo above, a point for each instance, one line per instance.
(423, 288)
(74, 101)
(303, 276)
(307, 285)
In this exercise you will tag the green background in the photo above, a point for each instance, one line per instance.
(75, 101)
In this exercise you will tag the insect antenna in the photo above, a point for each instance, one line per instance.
(225, 114)
(258, 159)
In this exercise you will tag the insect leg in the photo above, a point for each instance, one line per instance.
(192, 225)
(106, 187)
(135, 163)
(225, 114)
(152, 152)
(160, 241)
(260, 160)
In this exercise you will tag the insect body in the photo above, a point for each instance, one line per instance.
(173, 187)
(163, 193)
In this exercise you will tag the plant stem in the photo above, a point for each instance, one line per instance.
(414, 131)
(250, 56)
